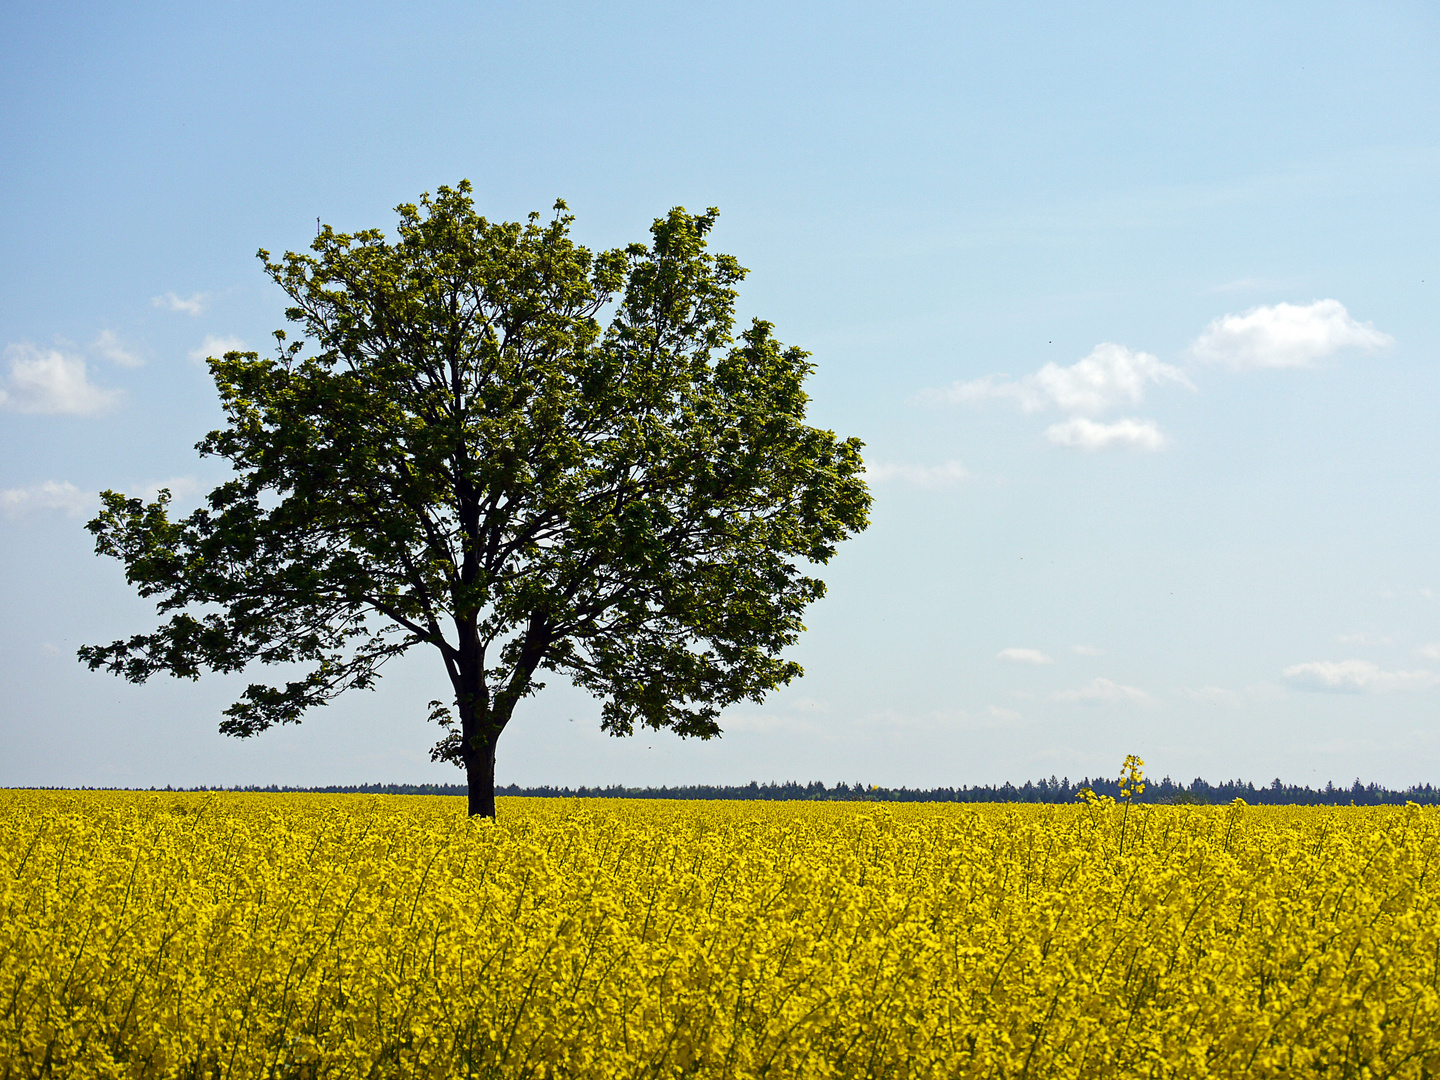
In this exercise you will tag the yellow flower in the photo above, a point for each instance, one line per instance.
(257, 936)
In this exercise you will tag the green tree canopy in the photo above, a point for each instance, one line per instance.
(466, 458)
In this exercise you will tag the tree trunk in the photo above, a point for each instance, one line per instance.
(480, 779)
(478, 732)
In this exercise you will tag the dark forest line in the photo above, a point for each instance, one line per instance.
(1166, 791)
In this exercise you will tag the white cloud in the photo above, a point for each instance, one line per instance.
(192, 305)
(921, 476)
(216, 345)
(108, 346)
(1355, 676)
(1104, 692)
(47, 498)
(1431, 651)
(48, 381)
(1086, 650)
(1285, 336)
(1023, 656)
(1082, 434)
(1005, 716)
(181, 488)
(1110, 376)
(65, 498)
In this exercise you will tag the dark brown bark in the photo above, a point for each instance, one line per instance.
(480, 778)
(483, 716)
(478, 733)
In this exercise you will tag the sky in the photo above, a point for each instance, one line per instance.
(1134, 307)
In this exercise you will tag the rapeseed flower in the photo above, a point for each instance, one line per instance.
(246, 935)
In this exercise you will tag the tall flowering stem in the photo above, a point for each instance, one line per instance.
(1132, 783)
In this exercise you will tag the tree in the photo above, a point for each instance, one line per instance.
(467, 460)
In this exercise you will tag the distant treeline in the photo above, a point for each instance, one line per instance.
(1197, 791)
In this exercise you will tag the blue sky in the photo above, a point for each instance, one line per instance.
(1134, 306)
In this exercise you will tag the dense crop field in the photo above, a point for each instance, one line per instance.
(352, 936)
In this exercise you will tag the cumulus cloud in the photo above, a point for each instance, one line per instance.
(1104, 692)
(181, 488)
(1086, 650)
(108, 346)
(191, 305)
(48, 381)
(47, 498)
(1082, 434)
(921, 476)
(1355, 677)
(52, 497)
(1285, 336)
(1110, 377)
(1431, 651)
(1023, 656)
(216, 345)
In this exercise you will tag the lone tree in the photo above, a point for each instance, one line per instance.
(469, 460)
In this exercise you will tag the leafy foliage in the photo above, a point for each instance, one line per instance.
(468, 459)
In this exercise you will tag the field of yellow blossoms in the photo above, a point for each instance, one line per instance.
(253, 935)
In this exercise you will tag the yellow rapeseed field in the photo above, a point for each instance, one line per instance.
(247, 935)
